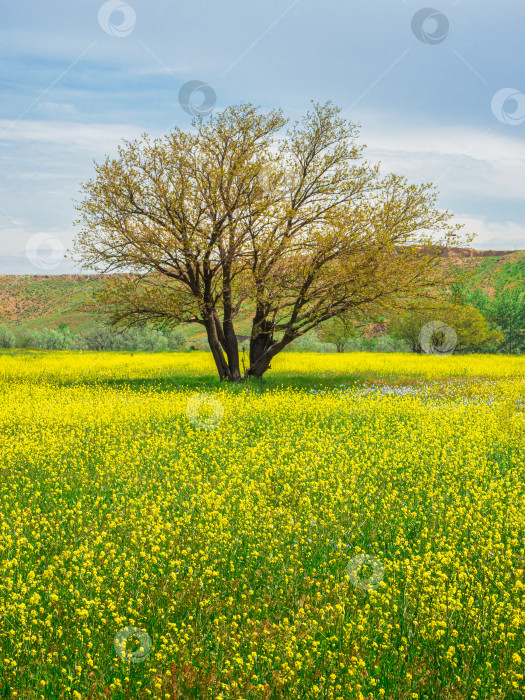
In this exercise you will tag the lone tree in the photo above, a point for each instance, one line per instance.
(292, 227)
(338, 331)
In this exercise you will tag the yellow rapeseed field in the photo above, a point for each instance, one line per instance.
(352, 527)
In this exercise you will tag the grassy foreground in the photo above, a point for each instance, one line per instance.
(350, 528)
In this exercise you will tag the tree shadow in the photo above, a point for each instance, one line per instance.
(205, 383)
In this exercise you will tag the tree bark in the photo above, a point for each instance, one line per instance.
(232, 352)
(216, 349)
(262, 337)
(262, 363)
(259, 368)
(228, 341)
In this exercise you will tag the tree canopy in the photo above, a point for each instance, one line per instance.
(470, 328)
(338, 331)
(246, 213)
(504, 311)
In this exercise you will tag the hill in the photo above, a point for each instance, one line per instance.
(493, 270)
(35, 301)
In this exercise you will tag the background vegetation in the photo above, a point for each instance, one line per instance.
(48, 312)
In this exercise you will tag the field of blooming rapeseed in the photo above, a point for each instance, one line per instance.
(352, 527)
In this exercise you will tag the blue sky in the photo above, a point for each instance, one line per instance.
(429, 96)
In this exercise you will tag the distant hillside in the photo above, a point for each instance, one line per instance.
(35, 301)
(498, 271)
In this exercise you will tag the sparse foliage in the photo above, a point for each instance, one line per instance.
(338, 331)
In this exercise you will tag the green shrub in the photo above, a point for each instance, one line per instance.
(7, 337)
(309, 342)
(51, 339)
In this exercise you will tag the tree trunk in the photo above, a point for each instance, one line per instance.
(232, 353)
(228, 341)
(216, 349)
(262, 338)
(259, 368)
(262, 363)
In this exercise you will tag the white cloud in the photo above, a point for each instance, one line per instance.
(470, 161)
(494, 235)
(56, 108)
(14, 239)
(65, 135)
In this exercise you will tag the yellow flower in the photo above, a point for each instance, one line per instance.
(124, 513)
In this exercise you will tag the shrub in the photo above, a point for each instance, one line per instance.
(176, 339)
(100, 338)
(51, 339)
(309, 342)
(7, 337)
(131, 340)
